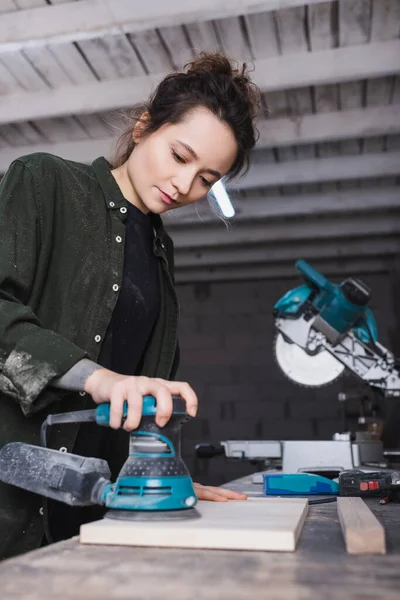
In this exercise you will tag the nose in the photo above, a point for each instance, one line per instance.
(183, 181)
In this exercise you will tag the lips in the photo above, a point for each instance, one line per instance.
(167, 199)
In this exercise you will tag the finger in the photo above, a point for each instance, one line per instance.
(182, 388)
(135, 406)
(117, 400)
(163, 398)
(229, 494)
(205, 493)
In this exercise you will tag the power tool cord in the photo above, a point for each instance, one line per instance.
(322, 500)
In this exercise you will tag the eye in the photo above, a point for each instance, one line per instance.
(178, 157)
(205, 182)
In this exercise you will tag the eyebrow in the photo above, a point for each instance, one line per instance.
(193, 153)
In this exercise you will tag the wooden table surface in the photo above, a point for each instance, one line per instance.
(320, 568)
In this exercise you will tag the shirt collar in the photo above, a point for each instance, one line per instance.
(113, 196)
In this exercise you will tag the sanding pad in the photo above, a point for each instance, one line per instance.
(153, 515)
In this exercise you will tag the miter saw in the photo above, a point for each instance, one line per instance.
(154, 483)
(323, 329)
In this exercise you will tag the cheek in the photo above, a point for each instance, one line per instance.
(198, 192)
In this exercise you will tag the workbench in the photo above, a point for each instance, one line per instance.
(319, 569)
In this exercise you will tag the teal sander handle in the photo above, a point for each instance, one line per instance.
(102, 413)
(277, 484)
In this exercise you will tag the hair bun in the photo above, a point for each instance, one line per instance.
(210, 62)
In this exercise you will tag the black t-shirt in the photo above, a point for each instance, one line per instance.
(138, 303)
(130, 327)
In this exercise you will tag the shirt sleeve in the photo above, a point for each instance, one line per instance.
(30, 355)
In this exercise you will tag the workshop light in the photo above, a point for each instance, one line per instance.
(223, 200)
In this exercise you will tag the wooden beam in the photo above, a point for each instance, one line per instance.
(289, 131)
(322, 127)
(84, 151)
(276, 207)
(335, 168)
(95, 18)
(362, 532)
(330, 268)
(283, 72)
(335, 228)
(279, 253)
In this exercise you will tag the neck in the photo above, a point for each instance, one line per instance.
(124, 183)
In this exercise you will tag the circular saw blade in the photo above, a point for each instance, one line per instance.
(305, 369)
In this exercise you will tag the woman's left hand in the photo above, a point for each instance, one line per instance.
(216, 494)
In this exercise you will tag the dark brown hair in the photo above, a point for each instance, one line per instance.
(209, 81)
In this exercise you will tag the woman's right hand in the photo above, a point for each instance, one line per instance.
(106, 386)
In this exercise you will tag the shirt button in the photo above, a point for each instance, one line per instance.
(115, 287)
(118, 239)
(41, 511)
(62, 449)
(123, 210)
(82, 393)
(112, 204)
(97, 338)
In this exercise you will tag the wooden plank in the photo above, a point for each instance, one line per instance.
(253, 524)
(293, 70)
(177, 45)
(88, 19)
(333, 168)
(234, 43)
(354, 29)
(268, 206)
(362, 532)
(111, 57)
(44, 67)
(385, 23)
(323, 34)
(153, 53)
(203, 36)
(335, 227)
(339, 267)
(292, 38)
(273, 253)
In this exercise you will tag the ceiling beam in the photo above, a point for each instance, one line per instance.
(278, 207)
(89, 19)
(330, 268)
(273, 253)
(283, 72)
(288, 131)
(334, 168)
(334, 126)
(300, 228)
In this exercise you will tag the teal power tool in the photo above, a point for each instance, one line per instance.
(154, 483)
(324, 328)
(351, 483)
(298, 484)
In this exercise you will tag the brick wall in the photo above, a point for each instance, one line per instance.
(226, 339)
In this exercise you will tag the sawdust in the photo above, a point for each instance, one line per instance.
(24, 379)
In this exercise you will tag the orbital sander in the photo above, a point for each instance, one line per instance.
(153, 484)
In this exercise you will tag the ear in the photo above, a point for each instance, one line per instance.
(140, 128)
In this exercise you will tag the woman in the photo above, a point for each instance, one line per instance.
(88, 310)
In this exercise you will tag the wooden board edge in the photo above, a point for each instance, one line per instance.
(356, 540)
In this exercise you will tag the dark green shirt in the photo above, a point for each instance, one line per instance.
(61, 252)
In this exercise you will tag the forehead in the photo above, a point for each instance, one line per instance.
(211, 139)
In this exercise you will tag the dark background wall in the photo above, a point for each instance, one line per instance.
(226, 340)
